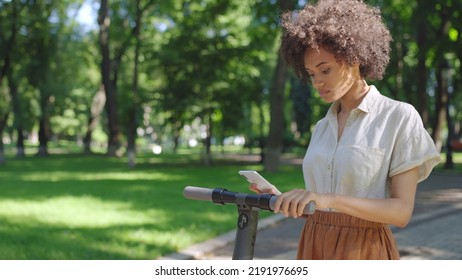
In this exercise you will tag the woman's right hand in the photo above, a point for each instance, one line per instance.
(273, 190)
(293, 203)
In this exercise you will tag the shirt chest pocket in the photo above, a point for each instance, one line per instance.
(357, 167)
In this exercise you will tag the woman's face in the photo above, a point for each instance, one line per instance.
(331, 79)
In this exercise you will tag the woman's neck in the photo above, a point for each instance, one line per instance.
(354, 96)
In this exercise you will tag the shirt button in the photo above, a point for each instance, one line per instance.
(348, 123)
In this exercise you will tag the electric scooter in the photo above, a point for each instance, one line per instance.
(248, 206)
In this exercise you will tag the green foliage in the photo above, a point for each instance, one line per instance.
(199, 58)
(219, 66)
(424, 33)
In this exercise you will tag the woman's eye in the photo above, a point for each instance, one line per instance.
(325, 71)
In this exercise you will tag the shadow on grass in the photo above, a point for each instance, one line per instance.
(32, 240)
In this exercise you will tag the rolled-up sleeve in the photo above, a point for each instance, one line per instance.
(416, 150)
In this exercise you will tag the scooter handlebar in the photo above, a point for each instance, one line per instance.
(206, 194)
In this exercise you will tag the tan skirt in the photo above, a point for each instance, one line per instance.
(337, 236)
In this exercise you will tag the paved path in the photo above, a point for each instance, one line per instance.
(435, 230)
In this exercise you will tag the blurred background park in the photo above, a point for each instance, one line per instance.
(109, 108)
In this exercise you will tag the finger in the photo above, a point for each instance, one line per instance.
(287, 200)
(303, 202)
(279, 202)
(295, 205)
(296, 202)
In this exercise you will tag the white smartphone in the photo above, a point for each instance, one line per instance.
(253, 177)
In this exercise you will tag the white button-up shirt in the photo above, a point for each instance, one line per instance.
(382, 137)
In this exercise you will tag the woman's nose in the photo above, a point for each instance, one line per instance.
(317, 83)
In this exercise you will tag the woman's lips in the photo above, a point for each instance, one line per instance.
(323, 92)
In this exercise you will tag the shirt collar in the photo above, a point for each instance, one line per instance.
(366, 105)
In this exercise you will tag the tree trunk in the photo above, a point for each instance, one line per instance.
(440, 108)
(422, 73)
(442, 90)
(109, 86)
(208, 140)
(300, 96)
(10, 43)
(398, 87)
(20, 151)
(97, 106)
(131, 139)
(261, 132)
(18, 115)
(44, 125)
(274, 144)
(421, 14)
(457, 90)
(132, 123)
(176, 135)
(5, 69)
(3, 120)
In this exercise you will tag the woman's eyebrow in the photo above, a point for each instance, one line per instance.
(320, 63)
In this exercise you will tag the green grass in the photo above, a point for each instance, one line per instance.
(94, 207)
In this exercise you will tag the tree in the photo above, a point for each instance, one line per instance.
(9, 40)
(6, 44)
(420, 17)
(96, 108)
(109, 75)
(442, 33)
(274, 144)
(422, 40)
(42, 42)
(4, 113)
(18, 114)
(135, 105)
(213, 65)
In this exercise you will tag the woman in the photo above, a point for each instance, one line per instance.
(367, 155)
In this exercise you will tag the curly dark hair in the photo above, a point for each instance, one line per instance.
(350, 29)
